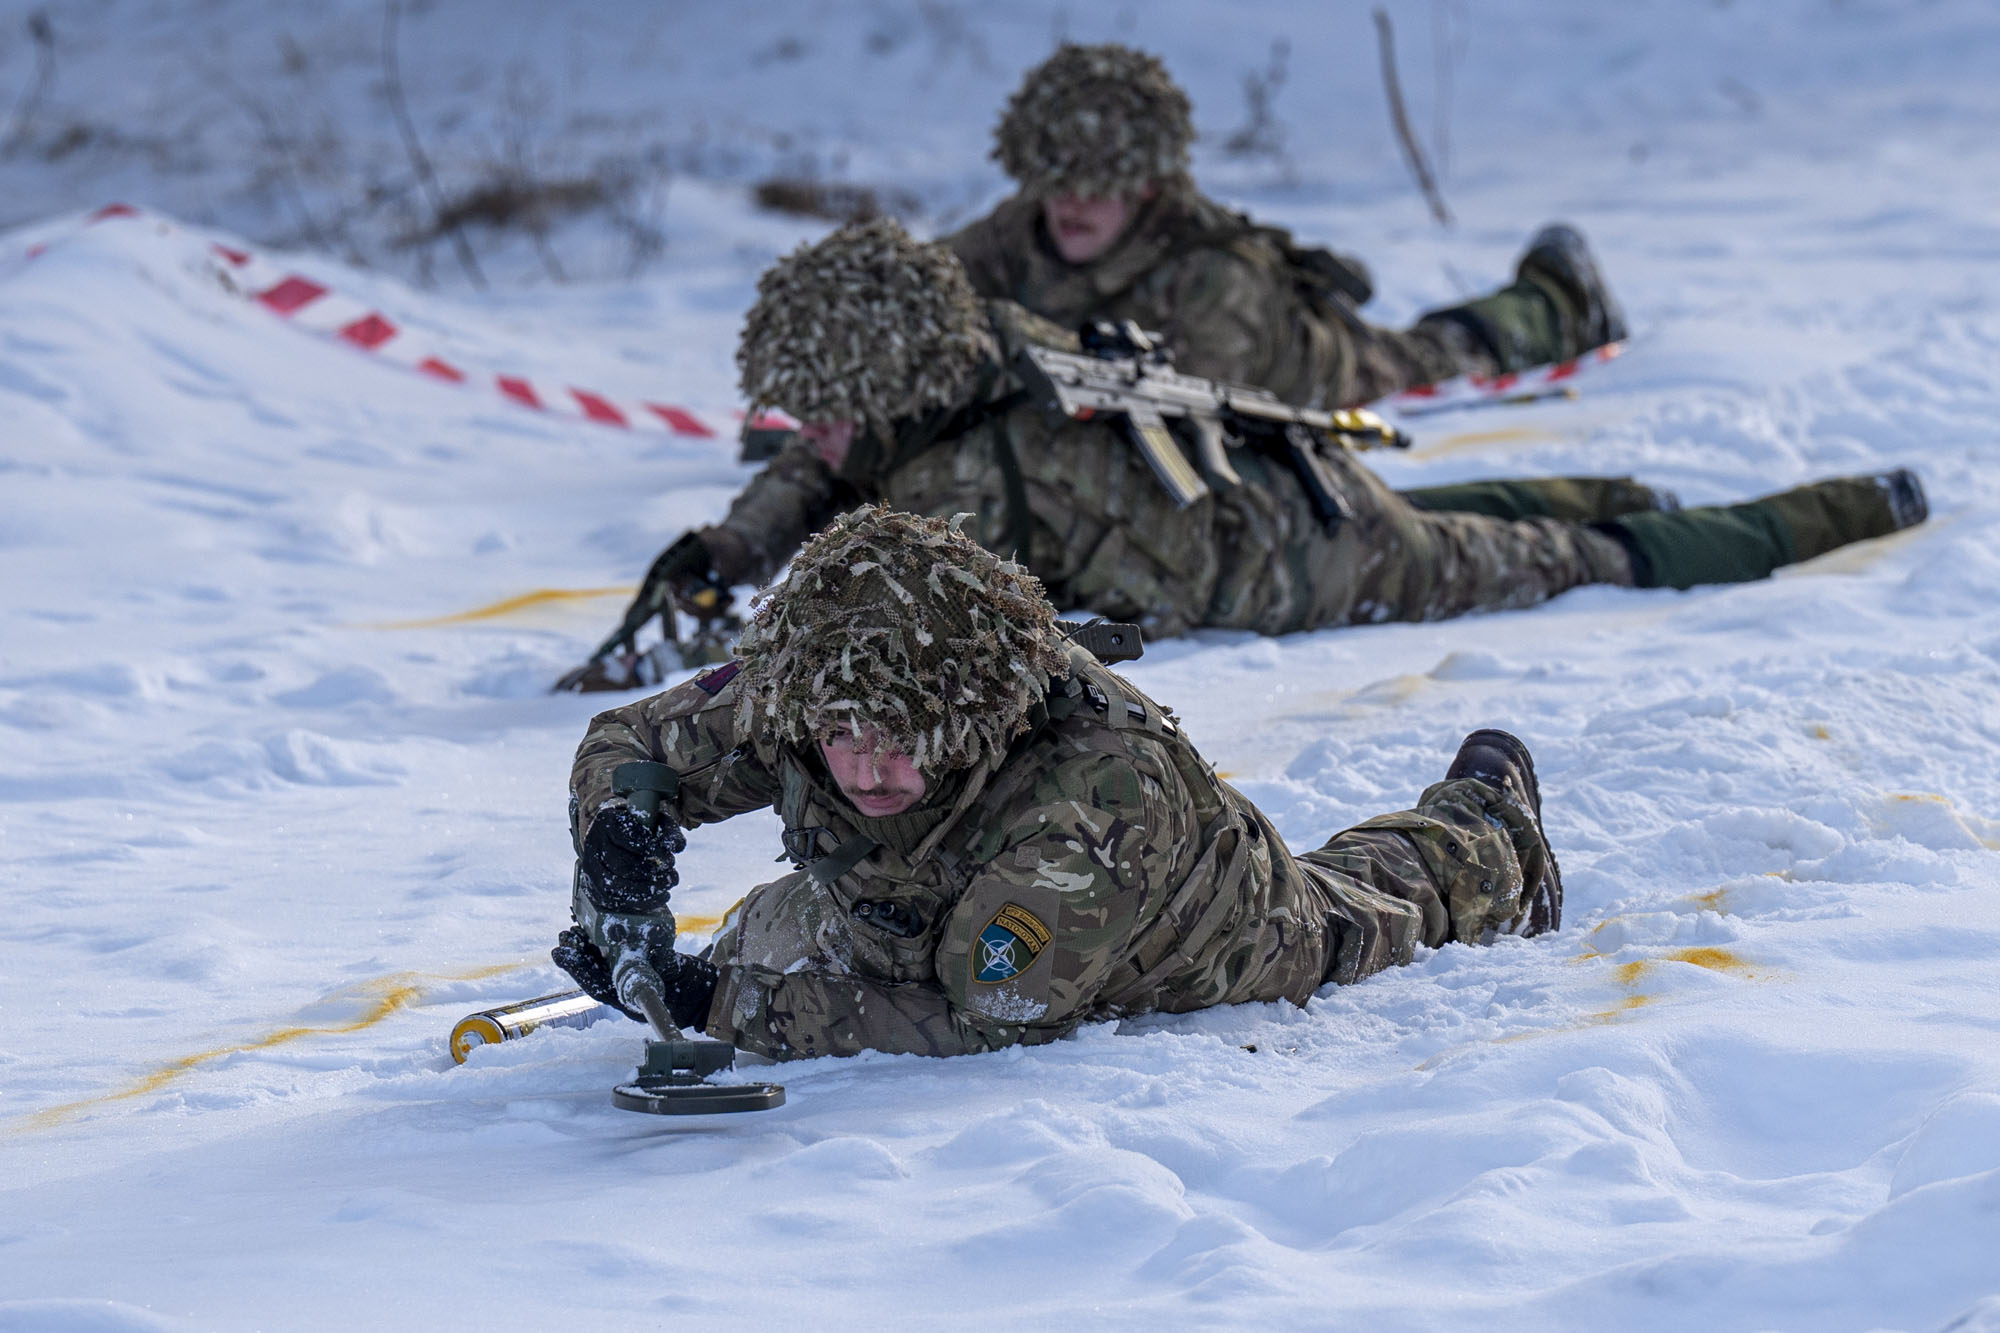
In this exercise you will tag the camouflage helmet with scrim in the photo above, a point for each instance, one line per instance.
(1098, 121)
(905, 627)
(866, 325)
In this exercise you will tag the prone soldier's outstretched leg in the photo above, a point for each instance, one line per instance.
(1557, 308)
(1390, 560)
(1577, 499)
(1470, 862)
(1739, 543)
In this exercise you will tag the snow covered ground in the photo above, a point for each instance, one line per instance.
(264, 839)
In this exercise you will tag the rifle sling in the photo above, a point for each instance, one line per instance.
(968, 419)
(1016, 485)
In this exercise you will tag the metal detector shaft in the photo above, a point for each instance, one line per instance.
(639, 988)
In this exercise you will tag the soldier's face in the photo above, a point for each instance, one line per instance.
(878, 780)
(830, 440)
(1082, 228)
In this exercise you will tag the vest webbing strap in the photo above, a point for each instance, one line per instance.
(826, 869)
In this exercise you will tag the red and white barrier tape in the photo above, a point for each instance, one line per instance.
(310, 305)
(1466, 390)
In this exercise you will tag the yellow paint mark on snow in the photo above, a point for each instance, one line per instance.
(1714, 959)
(1633, 977)
(1475, 439)
(1710, 957)
(1630, 974)
(1617, 1011)
(1715, 900)
(1638, 973)
(1330, 705)
(1904, 813)
(507, 607)
(1387, 693)
(1590, 951)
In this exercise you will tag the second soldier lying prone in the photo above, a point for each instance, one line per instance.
(913, 393)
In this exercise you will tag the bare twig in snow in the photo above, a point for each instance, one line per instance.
(393, 88)
(44, 38)
(1447, 47)
(1413, 152)
(1262, 135)
(805, 197)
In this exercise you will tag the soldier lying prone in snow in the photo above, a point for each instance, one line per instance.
(995, 837)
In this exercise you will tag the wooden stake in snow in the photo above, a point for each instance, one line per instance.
(1413, 152)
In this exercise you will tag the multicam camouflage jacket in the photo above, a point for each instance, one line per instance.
(1075, 502)
(1097, 868)
(1233, 299)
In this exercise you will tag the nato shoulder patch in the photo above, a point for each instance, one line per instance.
(1009, 945)
(714, 681)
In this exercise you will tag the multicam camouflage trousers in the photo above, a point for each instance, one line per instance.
(1462, 865)
(1284, 570)
(1450, 869)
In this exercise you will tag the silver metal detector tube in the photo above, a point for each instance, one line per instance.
(639, 987)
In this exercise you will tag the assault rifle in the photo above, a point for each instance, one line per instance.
(1125, 371)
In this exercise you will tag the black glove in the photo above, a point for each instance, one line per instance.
(576, 955)
(690, 985)
(683, 578)
(628, 861)
(678, 573)
(689, 981)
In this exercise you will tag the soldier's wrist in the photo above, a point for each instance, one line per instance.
(729, 555)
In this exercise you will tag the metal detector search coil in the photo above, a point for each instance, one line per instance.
(673, 1082)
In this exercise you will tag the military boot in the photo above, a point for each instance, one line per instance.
(1559, 261)
(1500, 760)
(1828, 514)
(1556, 309)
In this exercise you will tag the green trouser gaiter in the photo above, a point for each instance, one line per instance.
(1575, 499)
(1739, 543)
(1520, 324)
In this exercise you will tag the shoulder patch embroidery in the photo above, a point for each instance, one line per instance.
(1009, 945)
(714, 681)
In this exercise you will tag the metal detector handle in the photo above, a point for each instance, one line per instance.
(644, 784)
(638, 987)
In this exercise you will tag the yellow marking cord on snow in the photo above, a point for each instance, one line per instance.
(499, 610)
(389, 996)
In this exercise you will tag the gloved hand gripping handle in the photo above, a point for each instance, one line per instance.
(684, 571)
(643, 784)
(639, 987)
